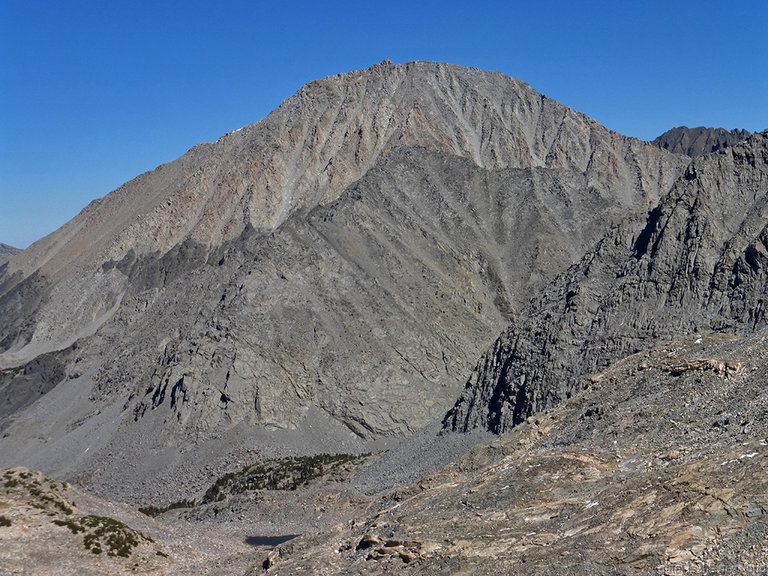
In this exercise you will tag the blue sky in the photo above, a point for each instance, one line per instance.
(93, 93)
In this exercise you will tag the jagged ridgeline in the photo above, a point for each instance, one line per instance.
(699, 264)
(699, 141)
(347, 258)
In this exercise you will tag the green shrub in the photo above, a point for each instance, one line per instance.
(155, 511)
(279, 474)
(103, 533)
(73, 525)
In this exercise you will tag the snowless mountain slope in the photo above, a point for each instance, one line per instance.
(338, 266)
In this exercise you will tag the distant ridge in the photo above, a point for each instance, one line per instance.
(698, 141)
(6, 252)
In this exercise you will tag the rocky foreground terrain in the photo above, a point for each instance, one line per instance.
(259, 345)
(657, 467)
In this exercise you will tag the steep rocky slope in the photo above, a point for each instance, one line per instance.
(5, 249)
(399, 216)
(658, 467)
(699, 264)
(698, 141)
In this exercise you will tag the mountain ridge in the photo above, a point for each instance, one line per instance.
(308, 151)
(6, 252)
(696, 265)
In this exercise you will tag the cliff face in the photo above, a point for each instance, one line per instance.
(698, 265)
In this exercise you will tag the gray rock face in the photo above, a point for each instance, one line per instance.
(409, 272)
(698, 141)
(698, 264)
(344, 261)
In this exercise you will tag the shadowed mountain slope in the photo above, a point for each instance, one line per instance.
(698, 265)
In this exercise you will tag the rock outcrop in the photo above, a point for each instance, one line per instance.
(699, 264)
(698, 141)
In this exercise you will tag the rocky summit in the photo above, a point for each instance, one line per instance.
(262, 347)
(699, 141)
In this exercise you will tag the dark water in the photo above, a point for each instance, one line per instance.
(268, 540)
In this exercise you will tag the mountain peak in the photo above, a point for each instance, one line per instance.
(400, 215)
(323, 139)
(698, 141)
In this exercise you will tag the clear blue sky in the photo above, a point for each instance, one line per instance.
(92, 93)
